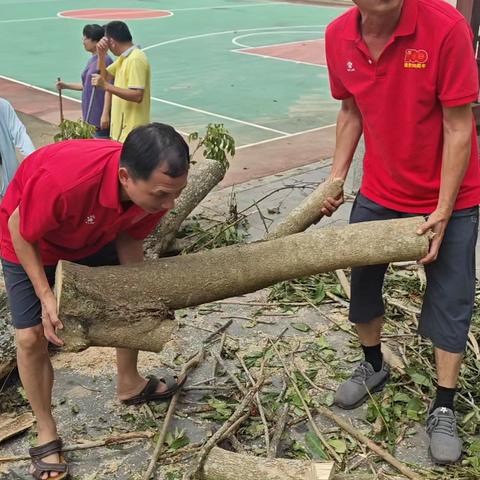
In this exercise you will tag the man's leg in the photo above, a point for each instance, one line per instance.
(445, 319)
(36, 374)
(33, 361)
(369, 337)
(129, 381)
(366, 312)
(448, 367)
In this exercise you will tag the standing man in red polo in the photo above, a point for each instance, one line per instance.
(406, 75)
(91, 202)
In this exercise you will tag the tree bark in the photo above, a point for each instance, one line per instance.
(224, 465)
(309, 211)
(204, 175)
(131, 306)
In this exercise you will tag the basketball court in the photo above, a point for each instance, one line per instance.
(256, 66)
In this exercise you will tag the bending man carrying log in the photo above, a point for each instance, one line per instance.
(91, 202)
(421, 158)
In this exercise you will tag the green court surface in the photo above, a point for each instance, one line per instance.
(198, 74)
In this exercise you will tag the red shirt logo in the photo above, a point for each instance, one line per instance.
(90, 220)
(415, 58)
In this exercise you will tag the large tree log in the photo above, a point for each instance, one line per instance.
(204, 175)
(309, 211)
(131, 306)
(224, 465)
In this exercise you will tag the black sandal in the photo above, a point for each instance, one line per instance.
(41, 467)
(149, 392)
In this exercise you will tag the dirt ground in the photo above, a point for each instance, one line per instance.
(84, 393)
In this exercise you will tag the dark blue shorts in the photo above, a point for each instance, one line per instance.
(450, 294)
(24, 304)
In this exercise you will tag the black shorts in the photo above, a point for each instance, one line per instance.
(450, 293)
(24, 304)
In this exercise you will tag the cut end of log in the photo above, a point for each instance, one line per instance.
(104, 307)
(323, 471)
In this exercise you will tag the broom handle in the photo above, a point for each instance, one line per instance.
(60, 101)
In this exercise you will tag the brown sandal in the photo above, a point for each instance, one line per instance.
(149, 392)
(41, 467)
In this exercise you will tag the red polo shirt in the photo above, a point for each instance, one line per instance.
(427, 64)
(69, 201)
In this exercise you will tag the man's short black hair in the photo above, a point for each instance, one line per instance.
(93, 32)
(118, 31)
(155, 145)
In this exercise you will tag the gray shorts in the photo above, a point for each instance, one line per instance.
(24, 304)
(450, 293)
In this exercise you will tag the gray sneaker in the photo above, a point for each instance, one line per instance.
(353, 392)
(445, 444)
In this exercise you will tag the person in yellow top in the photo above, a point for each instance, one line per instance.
(129, 94)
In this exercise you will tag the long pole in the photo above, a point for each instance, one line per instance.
(90, 103)
(60, 101)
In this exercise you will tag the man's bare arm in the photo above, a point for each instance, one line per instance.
(29, 256)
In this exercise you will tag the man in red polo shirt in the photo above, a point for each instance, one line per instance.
(406, 75)
(91, 202)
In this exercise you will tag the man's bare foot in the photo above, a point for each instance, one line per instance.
(128, 392)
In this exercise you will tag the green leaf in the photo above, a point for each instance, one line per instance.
(401, 397)
(468, 417)
(420, 379)
(320, 293)
(220, 407)
(176, 440)
(329, 399)
(474, 447)
(322, 342)
(338, 445)
(299, 451)
(301, 327)
(315, 447)
(414, 407)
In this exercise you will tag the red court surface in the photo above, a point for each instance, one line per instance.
(115, 14)
(311, 52)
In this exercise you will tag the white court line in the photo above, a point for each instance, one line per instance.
(38, 88)
(268, 140)
(17, 2)
(284, 134)
(206, 112)
(319, 5)
(270, 57)
(56, 94)
(186, 107)
(235, 40)
(245, 5)
(225, 32)
(20, 20)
